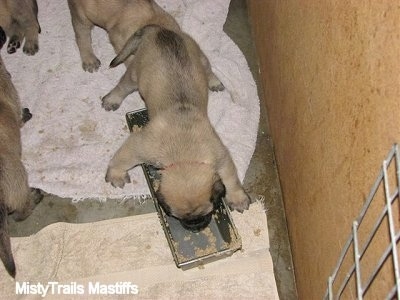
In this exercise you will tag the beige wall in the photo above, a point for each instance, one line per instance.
(330, 74)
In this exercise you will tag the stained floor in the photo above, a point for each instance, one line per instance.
(261, 181)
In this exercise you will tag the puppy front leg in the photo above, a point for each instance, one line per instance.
(126, 86)
(214, 84)
(123, 160)
(236, 197)
(31, 45)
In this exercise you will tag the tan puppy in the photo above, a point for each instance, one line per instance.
(15, 195)
(179, 139)
(19, 21)
(121, 19)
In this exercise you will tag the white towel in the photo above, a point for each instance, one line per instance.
(134, 250)
(70, 139)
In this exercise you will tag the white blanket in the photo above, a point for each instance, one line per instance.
(134, 250)
(71, 138)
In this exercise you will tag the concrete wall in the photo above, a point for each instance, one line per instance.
(330, 74)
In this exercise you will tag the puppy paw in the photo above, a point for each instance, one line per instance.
(117, 178)
(35, 197)
(238, 200)
(214, 84)
(91, 65)
(217, 88)
(19, 216)
(31, 47)
(110, 103)
(13, 44)
(26, 115)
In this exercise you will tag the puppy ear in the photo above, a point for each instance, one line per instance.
(3, 37)
(218, 191)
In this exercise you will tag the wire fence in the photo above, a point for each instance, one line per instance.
(368, 266)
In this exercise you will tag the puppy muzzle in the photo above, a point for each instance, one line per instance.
(196, 224)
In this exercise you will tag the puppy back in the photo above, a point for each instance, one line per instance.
(10, 117)
(10, 108)
(9, 101)
(173, 46)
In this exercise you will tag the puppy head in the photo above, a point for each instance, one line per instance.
(190, 193)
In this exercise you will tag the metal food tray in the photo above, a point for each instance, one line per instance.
(191, 249)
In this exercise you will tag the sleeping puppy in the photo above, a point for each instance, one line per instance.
(179, 140)
(15, 195)
(19, 20)
(121, 19)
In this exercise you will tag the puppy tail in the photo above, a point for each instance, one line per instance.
(5, 243)
(131, 45)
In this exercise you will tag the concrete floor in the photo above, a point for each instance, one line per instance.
(261, 180)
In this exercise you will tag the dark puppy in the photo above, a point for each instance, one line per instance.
(19, 21)
(179, 140)
(15, 195)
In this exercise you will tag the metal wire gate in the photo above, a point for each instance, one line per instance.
(368, 266)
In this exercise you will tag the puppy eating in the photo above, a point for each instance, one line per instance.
(19, 21)
(15, 195)
(121, 19)
(179, 140)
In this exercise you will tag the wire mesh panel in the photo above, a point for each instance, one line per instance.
(368, 266)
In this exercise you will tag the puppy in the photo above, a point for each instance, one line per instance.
(19, 20)
(15, 195)
(121, 19)
(179, 140)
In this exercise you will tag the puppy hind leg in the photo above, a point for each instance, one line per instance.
(83, 28)
(132, 45)
(25, 14)
(126, 86)
(128, 82)
(214, 84)
(90, 62)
